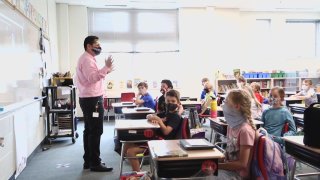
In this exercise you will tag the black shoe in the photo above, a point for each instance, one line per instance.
(87, 166)
(101, 168)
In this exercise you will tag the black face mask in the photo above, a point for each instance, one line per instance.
(97, 50)
(206, 90)
(171, 107)
(162, 91)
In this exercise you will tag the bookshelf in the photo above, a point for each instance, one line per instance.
(290, 84)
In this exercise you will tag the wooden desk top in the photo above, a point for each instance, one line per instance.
(184, 103)
(298, 140)
(120, 104)
(298, 105)
(256, 122)
(171, 145)
(134, 124)
(134, 111)
(300, 116)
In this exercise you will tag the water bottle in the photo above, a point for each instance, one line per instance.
(213, 108)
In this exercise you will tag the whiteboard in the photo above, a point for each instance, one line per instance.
(21, 62)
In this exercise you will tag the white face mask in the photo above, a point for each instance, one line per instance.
(304, 87)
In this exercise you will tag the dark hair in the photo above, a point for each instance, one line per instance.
(205, 80)
(174, 93)
(143, 84)
(168, 83)
(89, 40)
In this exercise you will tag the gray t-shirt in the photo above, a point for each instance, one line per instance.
(313, 96)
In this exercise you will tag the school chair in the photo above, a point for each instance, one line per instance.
(127, 96)
(106, 106)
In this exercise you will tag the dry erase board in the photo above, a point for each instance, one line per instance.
(21, 61)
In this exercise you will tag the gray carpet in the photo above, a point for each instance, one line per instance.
(64, 161)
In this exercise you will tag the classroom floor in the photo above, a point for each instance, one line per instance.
(64, 161)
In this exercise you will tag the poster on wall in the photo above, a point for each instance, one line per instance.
(136, 82)
(121, 84)
(155, 84)
(20, 126)
(175, 84)
(129, 84)
(110, 84)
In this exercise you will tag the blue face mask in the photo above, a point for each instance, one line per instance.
(233, 117)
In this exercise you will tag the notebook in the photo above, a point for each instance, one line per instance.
(196, 144)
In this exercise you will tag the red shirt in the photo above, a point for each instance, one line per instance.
(259, 97)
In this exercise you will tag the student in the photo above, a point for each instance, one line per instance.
(277, 115)
(143, 98)
(257, 91)
(168, 128)
(205, 107)
(308, 93)
(241, 82)
(204, 81)
(166, 85)
(256, 107)
(240, 136)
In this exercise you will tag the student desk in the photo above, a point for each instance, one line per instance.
(108, 98)
(292, 100)
(117, 107)
(298, 119)
(181, 167)
(297, 108)
(221, 127)
(296, 148)
(134, 131)
(188, 99)
(191, 104)
(132, 113)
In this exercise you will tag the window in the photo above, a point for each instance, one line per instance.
(301, 38)
(135, 30)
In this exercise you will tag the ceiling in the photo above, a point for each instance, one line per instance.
(255, 5)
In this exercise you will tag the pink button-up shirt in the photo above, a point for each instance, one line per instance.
(89, 79)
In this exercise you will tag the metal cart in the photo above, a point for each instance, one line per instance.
(60, 110)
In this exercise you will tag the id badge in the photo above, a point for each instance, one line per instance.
(95, 114)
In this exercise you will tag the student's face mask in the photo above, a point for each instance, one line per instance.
(304, 87)
(97, 50)
(233, 116)
(273, 101)
(206, 90)
(172, 107)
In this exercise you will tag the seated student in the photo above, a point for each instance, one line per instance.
(256, 107)
(143, 98)
(241, 82)
(204, 81)
(166, 85)
(277, 115)
(257, 91)
(308, 93)
(205, 107)
(168, 128)
(240, 136)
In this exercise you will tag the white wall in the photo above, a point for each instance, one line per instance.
(211, 39)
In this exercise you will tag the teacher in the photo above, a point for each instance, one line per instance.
(89, 81)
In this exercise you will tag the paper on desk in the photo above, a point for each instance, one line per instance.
(196, 142)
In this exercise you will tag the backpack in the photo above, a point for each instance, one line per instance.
(311, 125)
(269, 160)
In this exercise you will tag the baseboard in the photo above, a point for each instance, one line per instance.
(38, 148)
